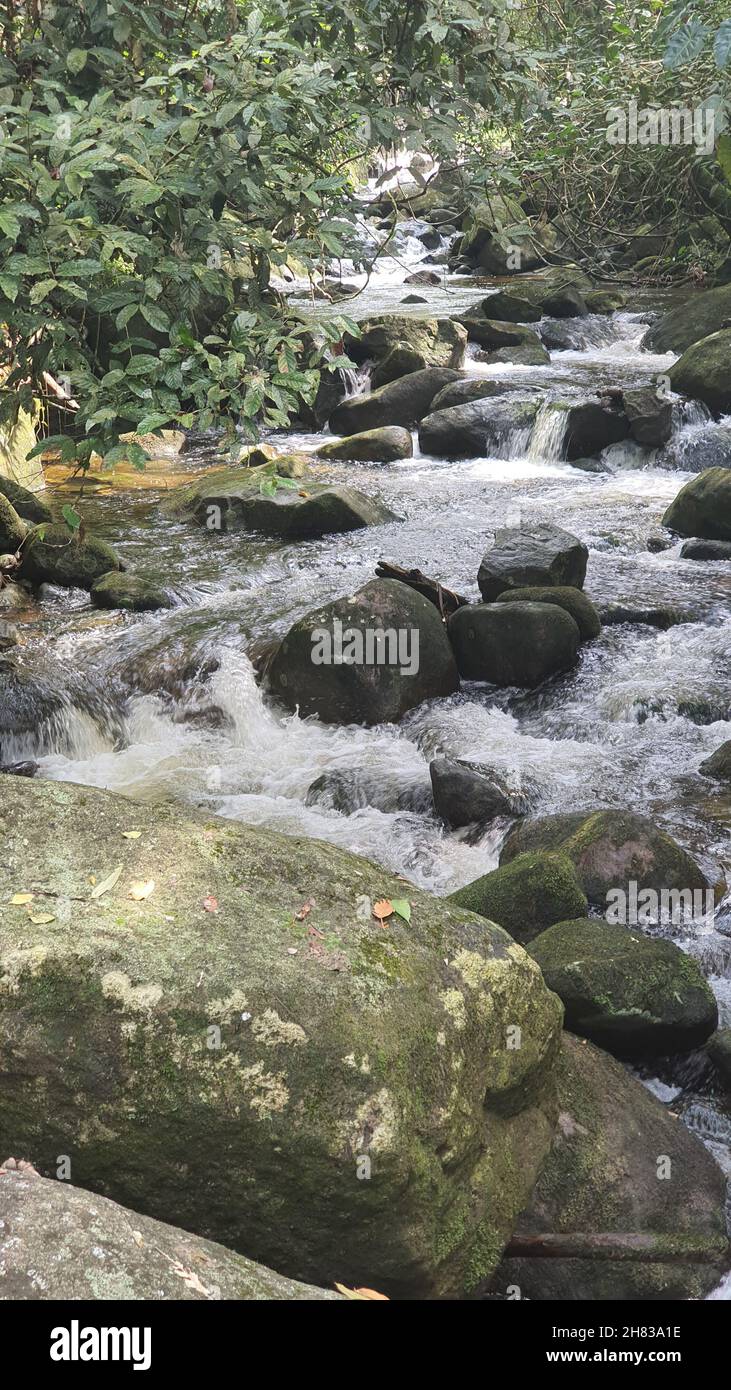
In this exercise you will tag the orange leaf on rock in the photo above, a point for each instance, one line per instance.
(210, 904)
(383, 909)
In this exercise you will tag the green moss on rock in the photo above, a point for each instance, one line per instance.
(526, 895)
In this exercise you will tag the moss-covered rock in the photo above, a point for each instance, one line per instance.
(71, 1244)
(700, 315)
(214, 1056)
(12, 528)
(518, 644)
(620, 1163)
(129, 591)
(610, 850)
(565, 596)
(55, 555)
(703, 507)
(440, 342)
(636, 995)
(402, 402)
(28, 505)
(527, 895)
(704, 372)
(230, 498)
(400, 361)
(333, 662)
(604, 301)
(371, 446)
(527, 557)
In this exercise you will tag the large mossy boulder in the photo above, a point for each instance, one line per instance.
(719, 1051)
(703, 507)
(336, 1098)
(700, 315)
(440, 342)
(70, 1244)
(495, 229)
(231, 498)
(56, 555)
(366, 659)
(704, 372)
(478, 428)
(511, 306)
(403, 402)
(610, 850)
(572, 600)
(370, 446)
(635, 995)
(12, 527)
(519, 644)
(527, 895)
(532, 557)
(621, 1165)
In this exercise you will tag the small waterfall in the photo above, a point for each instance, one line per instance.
(355, 380)
(549, 430)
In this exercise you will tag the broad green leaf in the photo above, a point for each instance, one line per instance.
(76, 60)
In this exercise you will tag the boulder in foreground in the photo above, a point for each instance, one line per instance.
(71, 1244)
(216, 1058)
(605, 1175)
(402, 402)
(56, 555)
(513, 643)
(228, 498)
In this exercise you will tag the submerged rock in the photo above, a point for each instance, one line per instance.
(366, 659)
(377, 446)
(234, 1071)
(232, 497)
(403, 402)
(613, 1144)
(704, 372)
(477, 429)
(565, 596)
(130, 591)
(71, 1244)
(352, 789)
(610, 850)
(465, 794)
(703, 507)
(542, 555)
(637, 996)
(518, 644)
(527, 895)
(56, 555)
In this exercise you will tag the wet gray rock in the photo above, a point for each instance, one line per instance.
(719, 763)
(402, 402)
(479, 428)
(592, 426)
(519, 644)
(706, 550)
(700, 315)
(466, 794)
(371, 446)
(352, 789)
(573, 600)
(650, 416)
(440, 341)
(132, 592)
(703, 507)
(400, 361)
(365, 691)
(539, 555)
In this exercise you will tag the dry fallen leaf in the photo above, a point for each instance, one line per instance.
(190, 1278)
(41, 918)
(210, 904)
(20, 899)
(106, 883)
(361, 1294)
(140, 889)
(304, 911)
(131, 834)
(382, 909)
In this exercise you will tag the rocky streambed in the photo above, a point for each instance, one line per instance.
(556, 728)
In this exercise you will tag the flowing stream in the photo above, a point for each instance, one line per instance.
(166, 705)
